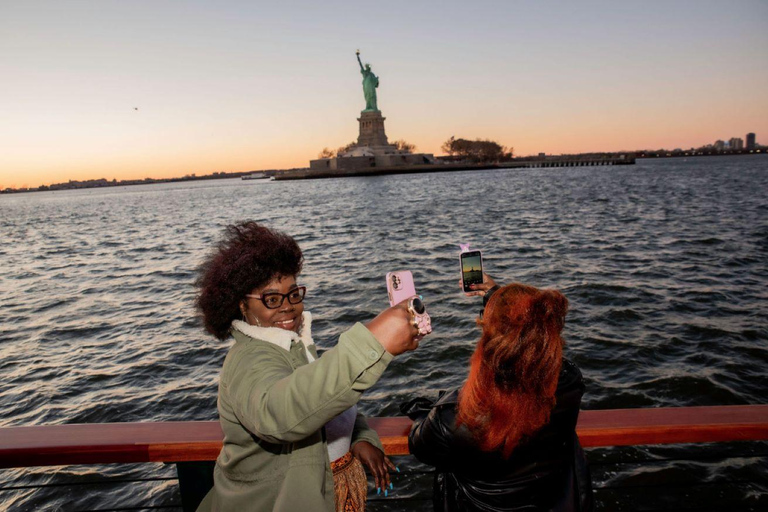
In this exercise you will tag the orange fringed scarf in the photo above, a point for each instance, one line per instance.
(350, 484)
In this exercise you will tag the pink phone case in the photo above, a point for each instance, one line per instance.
(400, 286)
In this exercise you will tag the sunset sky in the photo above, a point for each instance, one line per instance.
(245, 85)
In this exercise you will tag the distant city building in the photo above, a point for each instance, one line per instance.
(719, 144)
(736, 143)
(750, 141)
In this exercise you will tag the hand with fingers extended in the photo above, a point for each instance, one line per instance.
(479, 290)
(394, 329)
(377, 463)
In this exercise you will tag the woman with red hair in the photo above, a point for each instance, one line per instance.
(506, 439)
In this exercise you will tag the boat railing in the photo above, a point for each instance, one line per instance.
(193, 445)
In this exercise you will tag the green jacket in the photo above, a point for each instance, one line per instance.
(272, 408)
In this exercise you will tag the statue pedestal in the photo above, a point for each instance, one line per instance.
(372, 151)
(372, 129)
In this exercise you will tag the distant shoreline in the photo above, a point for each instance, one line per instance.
(104, 183)
(684, 154)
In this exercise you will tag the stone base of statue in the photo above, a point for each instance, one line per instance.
(371, 129)
(372, 150)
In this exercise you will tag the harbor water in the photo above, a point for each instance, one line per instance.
(665, 265)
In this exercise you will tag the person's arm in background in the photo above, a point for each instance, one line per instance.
(366, 446)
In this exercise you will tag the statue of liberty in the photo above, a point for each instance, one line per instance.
(370, 83)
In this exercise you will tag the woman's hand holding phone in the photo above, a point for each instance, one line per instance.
(394, 330)
(479, 290)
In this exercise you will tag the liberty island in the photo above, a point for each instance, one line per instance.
(372, 154)
(372, 151)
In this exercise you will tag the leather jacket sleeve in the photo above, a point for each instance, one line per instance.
(418, 408)
(488, 294)
(433, 438)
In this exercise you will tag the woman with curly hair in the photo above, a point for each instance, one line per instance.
(293, 440)
(506, 440)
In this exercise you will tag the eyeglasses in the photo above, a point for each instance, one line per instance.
(274, 300)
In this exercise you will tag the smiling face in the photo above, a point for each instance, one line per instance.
(287, 316)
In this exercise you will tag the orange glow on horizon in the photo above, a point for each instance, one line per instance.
(175, 164)
(131, 96)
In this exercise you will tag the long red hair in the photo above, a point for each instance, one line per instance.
(510, 391)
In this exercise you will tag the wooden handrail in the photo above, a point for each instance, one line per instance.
(103, 443)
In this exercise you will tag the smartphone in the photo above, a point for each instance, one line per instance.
(471, 269)
(400, 286)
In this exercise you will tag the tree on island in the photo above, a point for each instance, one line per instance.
(326, 153)
(344, 149)
(479, 151)
(404, 146)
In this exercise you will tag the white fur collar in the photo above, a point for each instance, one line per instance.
(280, 337)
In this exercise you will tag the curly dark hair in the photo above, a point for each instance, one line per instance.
(248, 256)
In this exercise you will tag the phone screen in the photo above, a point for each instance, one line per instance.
(471, 269)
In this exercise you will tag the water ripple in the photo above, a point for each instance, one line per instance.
(664, 265)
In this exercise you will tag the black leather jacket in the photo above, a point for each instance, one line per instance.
(548, 472)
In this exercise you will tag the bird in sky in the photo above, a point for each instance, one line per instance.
(135, 108)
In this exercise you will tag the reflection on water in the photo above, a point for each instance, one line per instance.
(664, 265)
